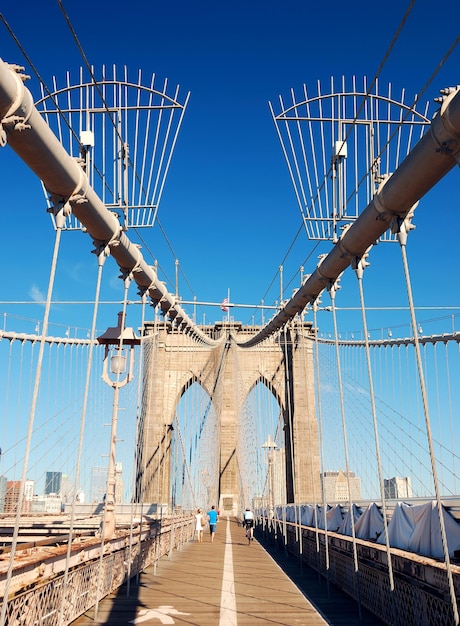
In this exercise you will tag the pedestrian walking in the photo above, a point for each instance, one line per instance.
(199, 525)
(212, 517)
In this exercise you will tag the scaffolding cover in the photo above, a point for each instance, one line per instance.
(345, 527)
(416, 528)
(370, 524)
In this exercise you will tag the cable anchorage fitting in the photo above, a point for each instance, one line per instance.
(333, 286)
(61, 210)
(102, 251)
(401, 227)
(359, 263)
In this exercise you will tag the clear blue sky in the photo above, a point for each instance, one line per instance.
(228, 208)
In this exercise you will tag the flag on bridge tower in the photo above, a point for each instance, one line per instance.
(224, 305)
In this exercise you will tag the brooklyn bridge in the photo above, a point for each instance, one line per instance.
(334, 419)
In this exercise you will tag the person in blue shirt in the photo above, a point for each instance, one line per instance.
(212, 517)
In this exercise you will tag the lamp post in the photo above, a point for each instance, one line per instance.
(270, 446)
(119, 345)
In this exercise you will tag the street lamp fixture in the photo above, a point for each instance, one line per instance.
(270, 446)
(119, 345)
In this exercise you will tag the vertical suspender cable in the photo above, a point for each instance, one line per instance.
(168, 441)
(7, 396)
(60, 220)
(185, 425)
(438, 405)
(303, 348)
(102, 255)
(404, 228)
(299, 472)
(359, 270)
(152, 360)
(449, 395)
(321, 448)
(110, 489)
(168, 437)
(332, 288)
(136, 456)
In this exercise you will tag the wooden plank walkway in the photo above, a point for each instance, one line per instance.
(224, 583)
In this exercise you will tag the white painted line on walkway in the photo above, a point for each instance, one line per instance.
(227, 599)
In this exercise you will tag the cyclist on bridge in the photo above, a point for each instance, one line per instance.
(248, 523)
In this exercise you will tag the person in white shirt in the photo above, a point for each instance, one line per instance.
(199, 525)
(248, 521)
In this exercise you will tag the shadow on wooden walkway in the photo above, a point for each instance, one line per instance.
(335, 605)
(226, 583)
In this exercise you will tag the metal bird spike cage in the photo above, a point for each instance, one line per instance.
(122, 132)
(340, 146)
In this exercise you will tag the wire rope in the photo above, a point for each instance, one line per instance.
(438, 399)
(359, 270)
(101, 259)
(451, 427)
(332, 288)
(108, 524)
(319, 413)
(405, 227)
(32, 412)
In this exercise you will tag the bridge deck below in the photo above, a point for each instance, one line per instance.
(224, 583)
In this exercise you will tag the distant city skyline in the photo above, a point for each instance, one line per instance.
(398, 487)
(341, 486)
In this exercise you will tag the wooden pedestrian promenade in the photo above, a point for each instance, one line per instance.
(224, 583)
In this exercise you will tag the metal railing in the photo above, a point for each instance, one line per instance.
(60, 600)
(420, 594)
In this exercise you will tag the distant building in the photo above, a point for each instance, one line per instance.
(53, 482)
(3, 482)
(335, 485)
(53, 504)
(98, 483)
(50, 503)
(398, 488)
(12, 496)
(67, 488)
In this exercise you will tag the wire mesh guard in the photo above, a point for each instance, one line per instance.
(124, 134)
(340, 146)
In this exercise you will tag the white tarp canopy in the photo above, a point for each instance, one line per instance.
(414, 528)
(370, 524)
(333, 517)
(417, 529)
(307, 517)
(313, 516)
(345, 527)
(290, 513)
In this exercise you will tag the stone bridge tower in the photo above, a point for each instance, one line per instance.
(174, 361)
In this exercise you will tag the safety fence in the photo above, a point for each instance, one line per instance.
(419, 592)
(94, 570)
